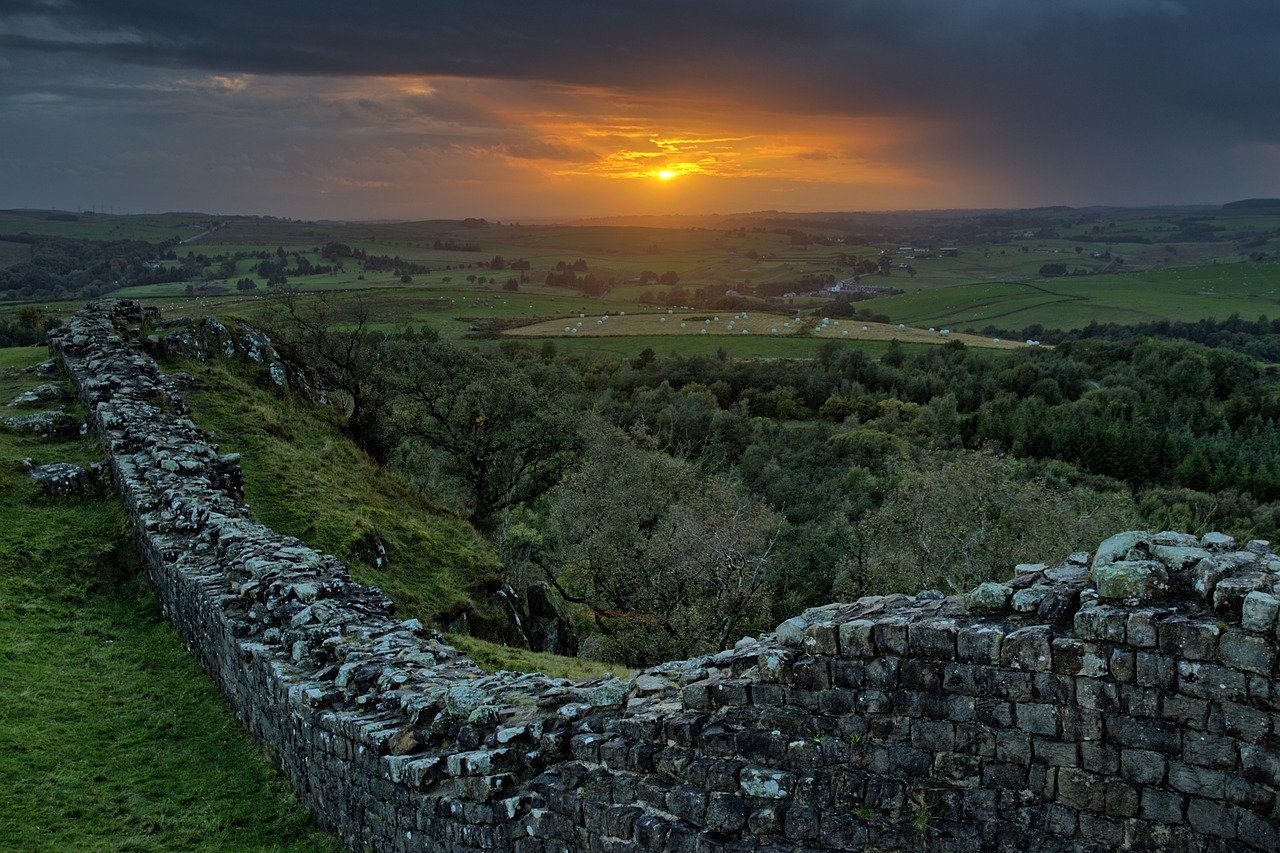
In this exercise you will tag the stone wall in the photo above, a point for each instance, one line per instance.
(1126, 698)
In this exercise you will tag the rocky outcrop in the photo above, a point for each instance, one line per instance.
(208, 337)
(1126, 698)
(50, 424)
(63, 479)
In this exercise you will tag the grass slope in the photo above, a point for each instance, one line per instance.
(111, 736)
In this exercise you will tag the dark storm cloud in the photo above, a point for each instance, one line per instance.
(1066, 100)
(1216, 57)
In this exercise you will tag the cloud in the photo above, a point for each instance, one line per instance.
(941, 102)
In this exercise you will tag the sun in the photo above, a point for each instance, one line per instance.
(666, 175)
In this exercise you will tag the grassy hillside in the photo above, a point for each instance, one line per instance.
(111, 736)
(303, 477)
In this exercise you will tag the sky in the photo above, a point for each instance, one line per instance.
(563, 108)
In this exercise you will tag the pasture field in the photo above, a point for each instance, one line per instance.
(1175, 293)
(744, 324)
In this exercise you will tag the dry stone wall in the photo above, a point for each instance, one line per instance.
(1124, 698)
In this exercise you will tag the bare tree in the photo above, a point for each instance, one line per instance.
(336, 339)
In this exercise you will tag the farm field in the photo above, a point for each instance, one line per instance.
(459, 274)
(744, 324)
(1176, 293)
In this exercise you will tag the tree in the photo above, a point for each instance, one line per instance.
(336, 340)
(952, 521)
(672, 561)
(503, 434)
(670, 278)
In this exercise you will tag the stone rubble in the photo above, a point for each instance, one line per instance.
(63, 479)
(1123, 699)
(39, 396)
(51, 424)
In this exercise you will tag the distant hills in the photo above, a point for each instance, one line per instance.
(1259, 205)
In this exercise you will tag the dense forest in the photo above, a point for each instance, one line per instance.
(676, 503)
(72, 268)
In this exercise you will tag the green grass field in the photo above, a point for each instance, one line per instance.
(1177, 293)
(111, 736)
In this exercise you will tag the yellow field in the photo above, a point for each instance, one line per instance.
(685, 322)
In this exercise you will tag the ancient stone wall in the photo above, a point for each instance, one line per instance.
(1125, 698)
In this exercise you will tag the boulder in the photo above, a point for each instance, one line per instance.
(1132, 580)
(1132, 545)
(39, 396)
(989, 596)
(53, 424)
(1218, 542)
(64, 479)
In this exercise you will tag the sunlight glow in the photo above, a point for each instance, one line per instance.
(666, 175)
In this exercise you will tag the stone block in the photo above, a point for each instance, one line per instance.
(1100, 830)
(1101, 623)
(1209, 681)
(1248, 652)
(890, 635)
(1037, 719)
(1161, 806)
(855, 638)
(1212, 818)
(1131, 580)
(979, 644)
(726, 813)
(1028, 649)
(1141, 629)
(934, 736)
(1197, 781)
(934, 639)
(821, 639)
(1209, 750)
(1258, 612)
(1154, 670)
(1230, 593)
(1143, 734)
(989, 597)
(1081, 791)
(1192, 640)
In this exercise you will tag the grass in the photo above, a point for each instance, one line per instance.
(111, 736)
(997, 283)
(493, 657)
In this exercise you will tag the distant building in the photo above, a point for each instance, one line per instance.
(949, 252)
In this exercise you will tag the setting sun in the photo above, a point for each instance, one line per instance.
(666, 175)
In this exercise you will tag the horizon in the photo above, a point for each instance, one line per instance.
(588, 219)
(576, 110)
